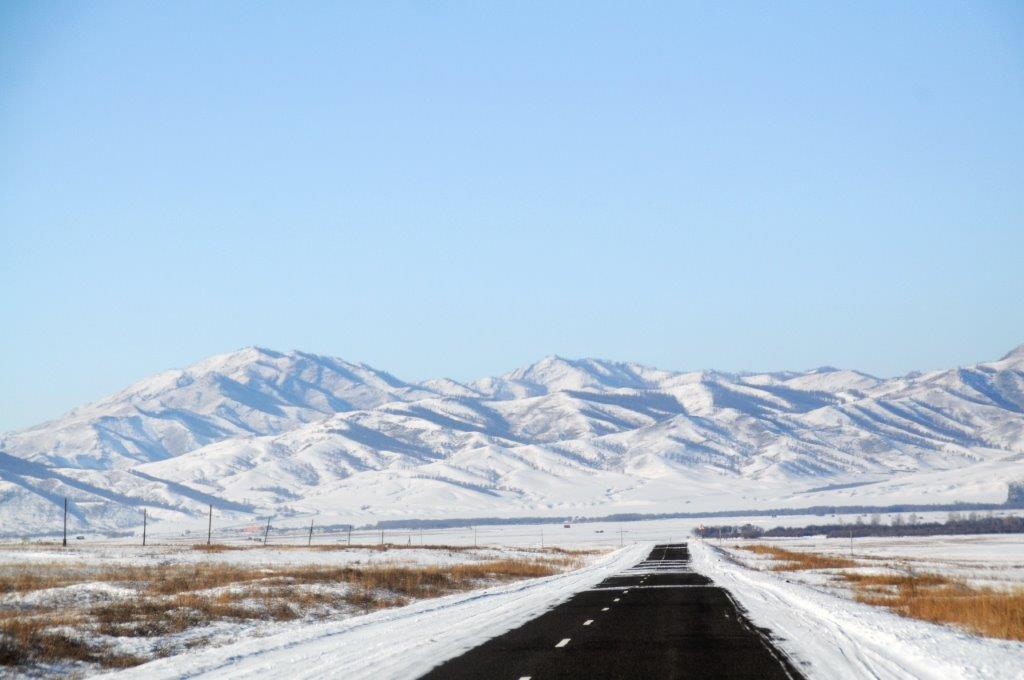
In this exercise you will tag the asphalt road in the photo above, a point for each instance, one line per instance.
(658, 619)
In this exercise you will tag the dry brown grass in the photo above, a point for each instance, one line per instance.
(906, 579)
(32, 640)
(927, 596)
(177, 578)
(151, 617)
(381, 547)
(180, 578)
(171, 604)
(940, 599)
(418, 582)
(177, 597)
(406, 580)
(795, 560)
(216, 547)
(15, 578)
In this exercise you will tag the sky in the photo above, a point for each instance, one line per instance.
(458, 189)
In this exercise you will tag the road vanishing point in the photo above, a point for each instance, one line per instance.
(658, 619)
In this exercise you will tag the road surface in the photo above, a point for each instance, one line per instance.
(658, 619)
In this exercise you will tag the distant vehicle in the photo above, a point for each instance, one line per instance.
(79, 538)
(598, 531)
(566, 526)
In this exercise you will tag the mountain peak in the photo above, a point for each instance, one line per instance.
(555, 373)
(240, 357)
(263, 429)
(1015, 354)
(250, 391)
(552, 362)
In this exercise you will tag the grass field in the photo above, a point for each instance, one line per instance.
(81, 615)
(903, 587)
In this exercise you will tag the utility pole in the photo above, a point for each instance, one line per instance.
(382, 537)
(209, 527)
(474, 537)
(310, 542)
(65, 543)
(350, 534)
(144, 527)
(266, 533)
(620, 538)
(541, 538)
(851, 542)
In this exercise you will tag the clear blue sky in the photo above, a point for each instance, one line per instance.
(460, 188)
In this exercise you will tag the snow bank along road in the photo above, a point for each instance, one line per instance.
(840, 639)
(658, 619)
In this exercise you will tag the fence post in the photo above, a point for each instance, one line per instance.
(144, 527)
(266, 533)
(310, 542)
(209, 526)
(350, 534)
(65, 542)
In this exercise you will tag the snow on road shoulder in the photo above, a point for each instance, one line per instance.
(836, 638)
(395, 643)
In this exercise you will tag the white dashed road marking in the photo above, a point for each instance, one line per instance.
(702, 585)
(588, 622)
(563, 642)
(604, 609)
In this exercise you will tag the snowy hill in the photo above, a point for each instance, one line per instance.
(250, 392)
(258, 431)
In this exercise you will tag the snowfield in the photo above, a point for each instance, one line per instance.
(995, 560)
(834, 637)
(126, 604)
(328, 556)
(828, 634)
(818, 623)
(396, 643)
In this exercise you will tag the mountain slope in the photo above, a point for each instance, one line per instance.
(258, 431)
(250, 392)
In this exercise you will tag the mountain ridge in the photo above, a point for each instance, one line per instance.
(285, 432)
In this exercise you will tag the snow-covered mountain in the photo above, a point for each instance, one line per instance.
(250, 392)
(258, 431)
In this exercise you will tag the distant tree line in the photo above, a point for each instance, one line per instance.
(956, 524)
(730, 531)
